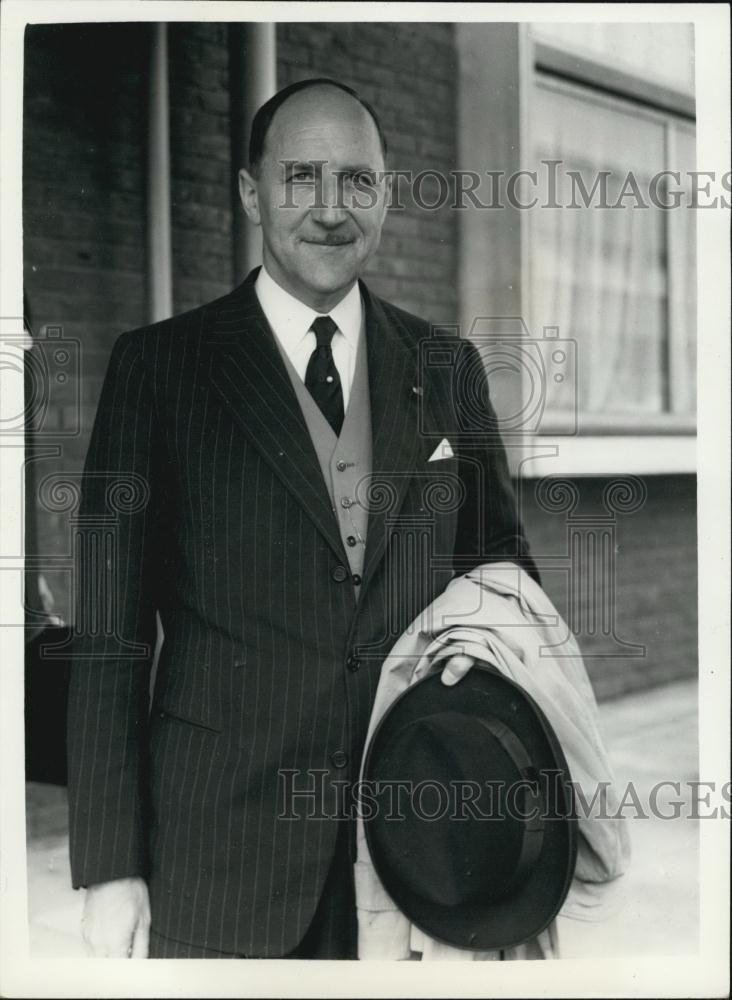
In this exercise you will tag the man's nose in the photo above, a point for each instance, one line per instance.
(330, 209)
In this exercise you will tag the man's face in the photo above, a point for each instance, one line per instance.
(320, 195)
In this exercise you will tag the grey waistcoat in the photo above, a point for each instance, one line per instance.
(346, 460)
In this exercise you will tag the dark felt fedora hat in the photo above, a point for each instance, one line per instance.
(470, 821)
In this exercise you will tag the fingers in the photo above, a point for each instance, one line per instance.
(102, 945)
(456, 668)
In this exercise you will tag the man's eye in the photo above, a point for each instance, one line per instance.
(364, 178)
(301, 175)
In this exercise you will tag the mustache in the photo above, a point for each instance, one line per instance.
(330, 239)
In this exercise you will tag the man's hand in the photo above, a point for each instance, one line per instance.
(116, 920)
(456, 668)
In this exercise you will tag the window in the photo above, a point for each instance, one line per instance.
(609, 267)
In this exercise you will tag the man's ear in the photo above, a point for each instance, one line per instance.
(249, 196)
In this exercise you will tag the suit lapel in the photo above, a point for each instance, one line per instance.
(247, 371)
(396, 407)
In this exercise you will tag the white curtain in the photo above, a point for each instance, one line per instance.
(601, 274)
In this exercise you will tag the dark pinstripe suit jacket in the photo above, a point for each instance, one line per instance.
(222, 523)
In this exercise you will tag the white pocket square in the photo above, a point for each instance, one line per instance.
(443, 450)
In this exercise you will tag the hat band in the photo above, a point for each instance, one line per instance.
(533, 838)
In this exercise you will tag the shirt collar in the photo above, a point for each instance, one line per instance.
(291, 319)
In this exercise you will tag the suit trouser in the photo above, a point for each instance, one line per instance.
(333, 931)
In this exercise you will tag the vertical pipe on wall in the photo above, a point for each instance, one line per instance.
(253, 79)
(159, 239)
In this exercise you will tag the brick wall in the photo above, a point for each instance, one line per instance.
(83, 219)
(200, 156)
(408, 73)
(655, 586)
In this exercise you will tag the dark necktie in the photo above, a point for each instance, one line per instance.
(321, 378)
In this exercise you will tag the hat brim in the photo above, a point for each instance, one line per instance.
(483, 925)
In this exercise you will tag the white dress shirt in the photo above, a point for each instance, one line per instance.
(291, 320)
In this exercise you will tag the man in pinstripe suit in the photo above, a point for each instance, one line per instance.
(299, 483)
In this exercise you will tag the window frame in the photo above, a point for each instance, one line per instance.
(586, 69)
(567, 73)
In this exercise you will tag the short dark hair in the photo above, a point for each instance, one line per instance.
(263, 118)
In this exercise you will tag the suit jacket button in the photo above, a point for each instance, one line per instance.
(339, 574)
(339, 759)
(353, 662)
